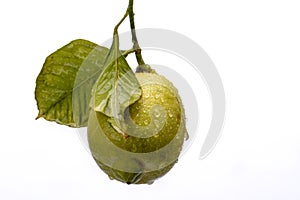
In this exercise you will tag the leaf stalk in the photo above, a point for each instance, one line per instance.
(136, 47)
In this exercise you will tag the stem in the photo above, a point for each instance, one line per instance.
(127, 52)
(136, 46)
(120, 22)
(116, 28)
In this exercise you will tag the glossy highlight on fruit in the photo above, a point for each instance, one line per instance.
(154, 137)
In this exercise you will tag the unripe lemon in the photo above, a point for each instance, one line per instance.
(154, 137)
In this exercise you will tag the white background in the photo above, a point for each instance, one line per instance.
(255, 46)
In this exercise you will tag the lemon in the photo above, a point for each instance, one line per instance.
(153, 139)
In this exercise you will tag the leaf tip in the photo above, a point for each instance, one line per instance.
(39, 116)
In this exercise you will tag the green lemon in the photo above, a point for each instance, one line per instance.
(153, 140)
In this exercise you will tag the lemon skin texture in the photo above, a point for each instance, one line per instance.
(151, 145)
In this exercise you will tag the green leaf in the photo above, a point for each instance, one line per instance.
(116, 88)
(63, 87)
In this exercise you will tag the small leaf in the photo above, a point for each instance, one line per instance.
(116, 89)
(63, 87)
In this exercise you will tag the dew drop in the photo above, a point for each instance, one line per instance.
(157, 96)
(150, 182)
(170, 115)
(156, 123)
